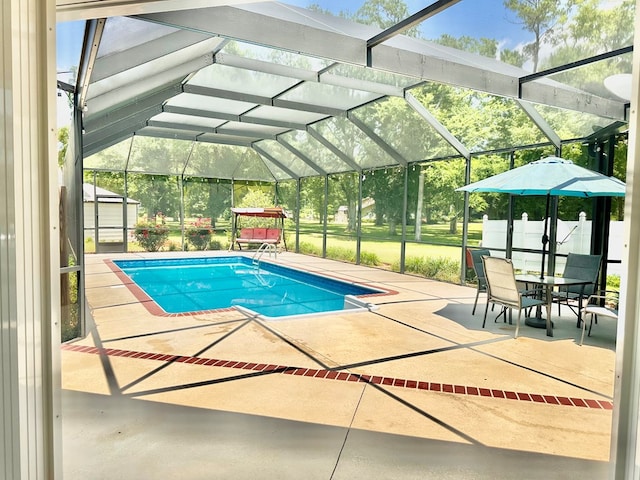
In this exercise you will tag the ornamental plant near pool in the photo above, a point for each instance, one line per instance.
(199, 233)
(151, 235)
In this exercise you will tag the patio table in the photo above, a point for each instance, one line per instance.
(547, 283)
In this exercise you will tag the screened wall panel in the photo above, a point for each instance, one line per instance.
(287, 159)
(441, 263)
(105, 226)
(223, 161)
(434, 230)
(315, 151)
(404, 130)
(382, 209)
(312, 215)
(113, 158)
(569, 124)
(594, 77)
(158, 155)
(342, 216)
(206, 198)
(254, 194)
(354, 143)
(159, 195)
(123, 33)
(372, 76)
(480, 121)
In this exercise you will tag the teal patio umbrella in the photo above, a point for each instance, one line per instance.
(550, 176)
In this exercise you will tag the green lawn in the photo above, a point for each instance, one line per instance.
(436, 255)
(436, 241)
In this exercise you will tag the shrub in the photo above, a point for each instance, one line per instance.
(368, 258)
(613, 282)
(199, 233)
(341, 253)
(89, 245)
(310, 249)
(215, 245)
(438, 268)
(151, 236)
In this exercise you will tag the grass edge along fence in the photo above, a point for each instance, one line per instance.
(440, 268)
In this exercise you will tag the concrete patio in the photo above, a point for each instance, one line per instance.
(414, 389)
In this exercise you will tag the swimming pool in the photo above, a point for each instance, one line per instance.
(211, 283)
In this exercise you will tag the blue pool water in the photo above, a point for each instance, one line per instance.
(189, 285)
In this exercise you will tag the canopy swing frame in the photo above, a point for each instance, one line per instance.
(277, 213)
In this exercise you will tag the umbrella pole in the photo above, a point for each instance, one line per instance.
(545, 237)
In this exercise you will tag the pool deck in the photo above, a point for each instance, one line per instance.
(413, 389)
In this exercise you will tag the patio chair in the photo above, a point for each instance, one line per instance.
(582, 267)
(502, 289)
(601, 304)
(476, 262)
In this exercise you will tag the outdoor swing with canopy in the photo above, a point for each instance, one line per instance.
(258, 235)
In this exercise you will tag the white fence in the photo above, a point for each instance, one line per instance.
(572, 236)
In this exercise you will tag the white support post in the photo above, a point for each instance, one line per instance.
(624, 438)
(30, 442)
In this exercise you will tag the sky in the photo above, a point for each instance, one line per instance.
(476, 18)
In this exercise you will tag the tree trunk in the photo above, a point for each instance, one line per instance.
(418, 234)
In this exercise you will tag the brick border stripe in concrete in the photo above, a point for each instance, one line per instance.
(350, 377)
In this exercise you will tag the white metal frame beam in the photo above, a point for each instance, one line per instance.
(425, 61)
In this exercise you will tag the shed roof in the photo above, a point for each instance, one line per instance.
(90, 192)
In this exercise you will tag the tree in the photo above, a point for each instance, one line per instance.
(386, 187)
(312, 196)
(112, 181)
(287, 197)
(346, 186)
(63, 143)
(158, 194)
(512, 57)
(206, 197)
(591, 31)
(384, 14)
(483, 46)
(602, 29)
(541, 18)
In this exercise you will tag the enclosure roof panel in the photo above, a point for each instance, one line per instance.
(301, 90)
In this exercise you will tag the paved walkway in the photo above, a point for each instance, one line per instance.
(414, 389)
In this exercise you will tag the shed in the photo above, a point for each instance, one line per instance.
(104, 217)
